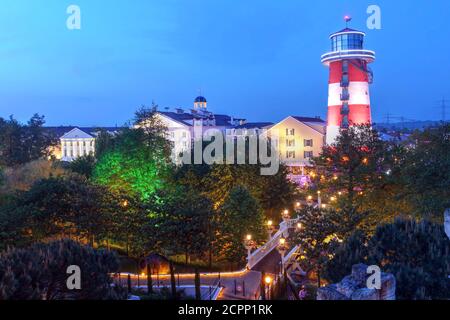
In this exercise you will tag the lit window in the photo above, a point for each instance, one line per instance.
(308, 154)
(308, 142)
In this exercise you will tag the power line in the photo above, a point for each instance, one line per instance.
(443, 108)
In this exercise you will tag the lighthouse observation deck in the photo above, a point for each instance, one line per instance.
(347, 44)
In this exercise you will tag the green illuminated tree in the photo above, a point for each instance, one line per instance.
(133, 165)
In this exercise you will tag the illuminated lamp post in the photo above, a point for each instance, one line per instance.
(285, 215)
(268, 282)
(249, 245)
(282, 248)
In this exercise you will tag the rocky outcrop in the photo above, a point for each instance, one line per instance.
(354, 287)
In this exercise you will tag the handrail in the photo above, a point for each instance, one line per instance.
(257, 255)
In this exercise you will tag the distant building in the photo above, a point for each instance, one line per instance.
(184, 127)
(299, 139)
(75, 142)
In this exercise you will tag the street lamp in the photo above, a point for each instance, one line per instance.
(299, 226)
(309, 200)
(282, 248)
(267, 282)
(285, 215)
(270, 228)
(249, 245)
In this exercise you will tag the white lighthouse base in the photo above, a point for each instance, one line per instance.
(332, 134)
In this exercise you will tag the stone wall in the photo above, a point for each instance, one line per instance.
(354, 287)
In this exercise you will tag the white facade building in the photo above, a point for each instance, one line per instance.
(75, 142)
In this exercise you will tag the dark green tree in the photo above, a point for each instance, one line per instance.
(182, 223)
(352, 251)
(40, 273)
(318, 237)
(425, 171)
(417, 253)
(20, 143)
(240, 215)
(83, 165)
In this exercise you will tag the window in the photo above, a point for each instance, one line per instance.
(290, 132)
(184, 135)
(172, 134)
(308, 142)
(308, 154)
(84, 143)
(290, 143)
(290, 154)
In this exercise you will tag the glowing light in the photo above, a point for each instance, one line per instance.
(249, 237)
(298, 204)
(282, 241)
(267, 279)
(365, 161)
(324, 206)
(270, 223)
(335, 177)
(310, 197)
(340, 193)
(318, 192)
(299, 225)
(286, 211)
(333, 198)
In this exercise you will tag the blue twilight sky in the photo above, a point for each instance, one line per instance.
(258, 59)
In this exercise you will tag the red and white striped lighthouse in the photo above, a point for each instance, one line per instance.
(350, 76)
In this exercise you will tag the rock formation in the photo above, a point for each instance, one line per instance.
(354, 287)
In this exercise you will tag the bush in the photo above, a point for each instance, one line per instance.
(40, 273)
(417, 253)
